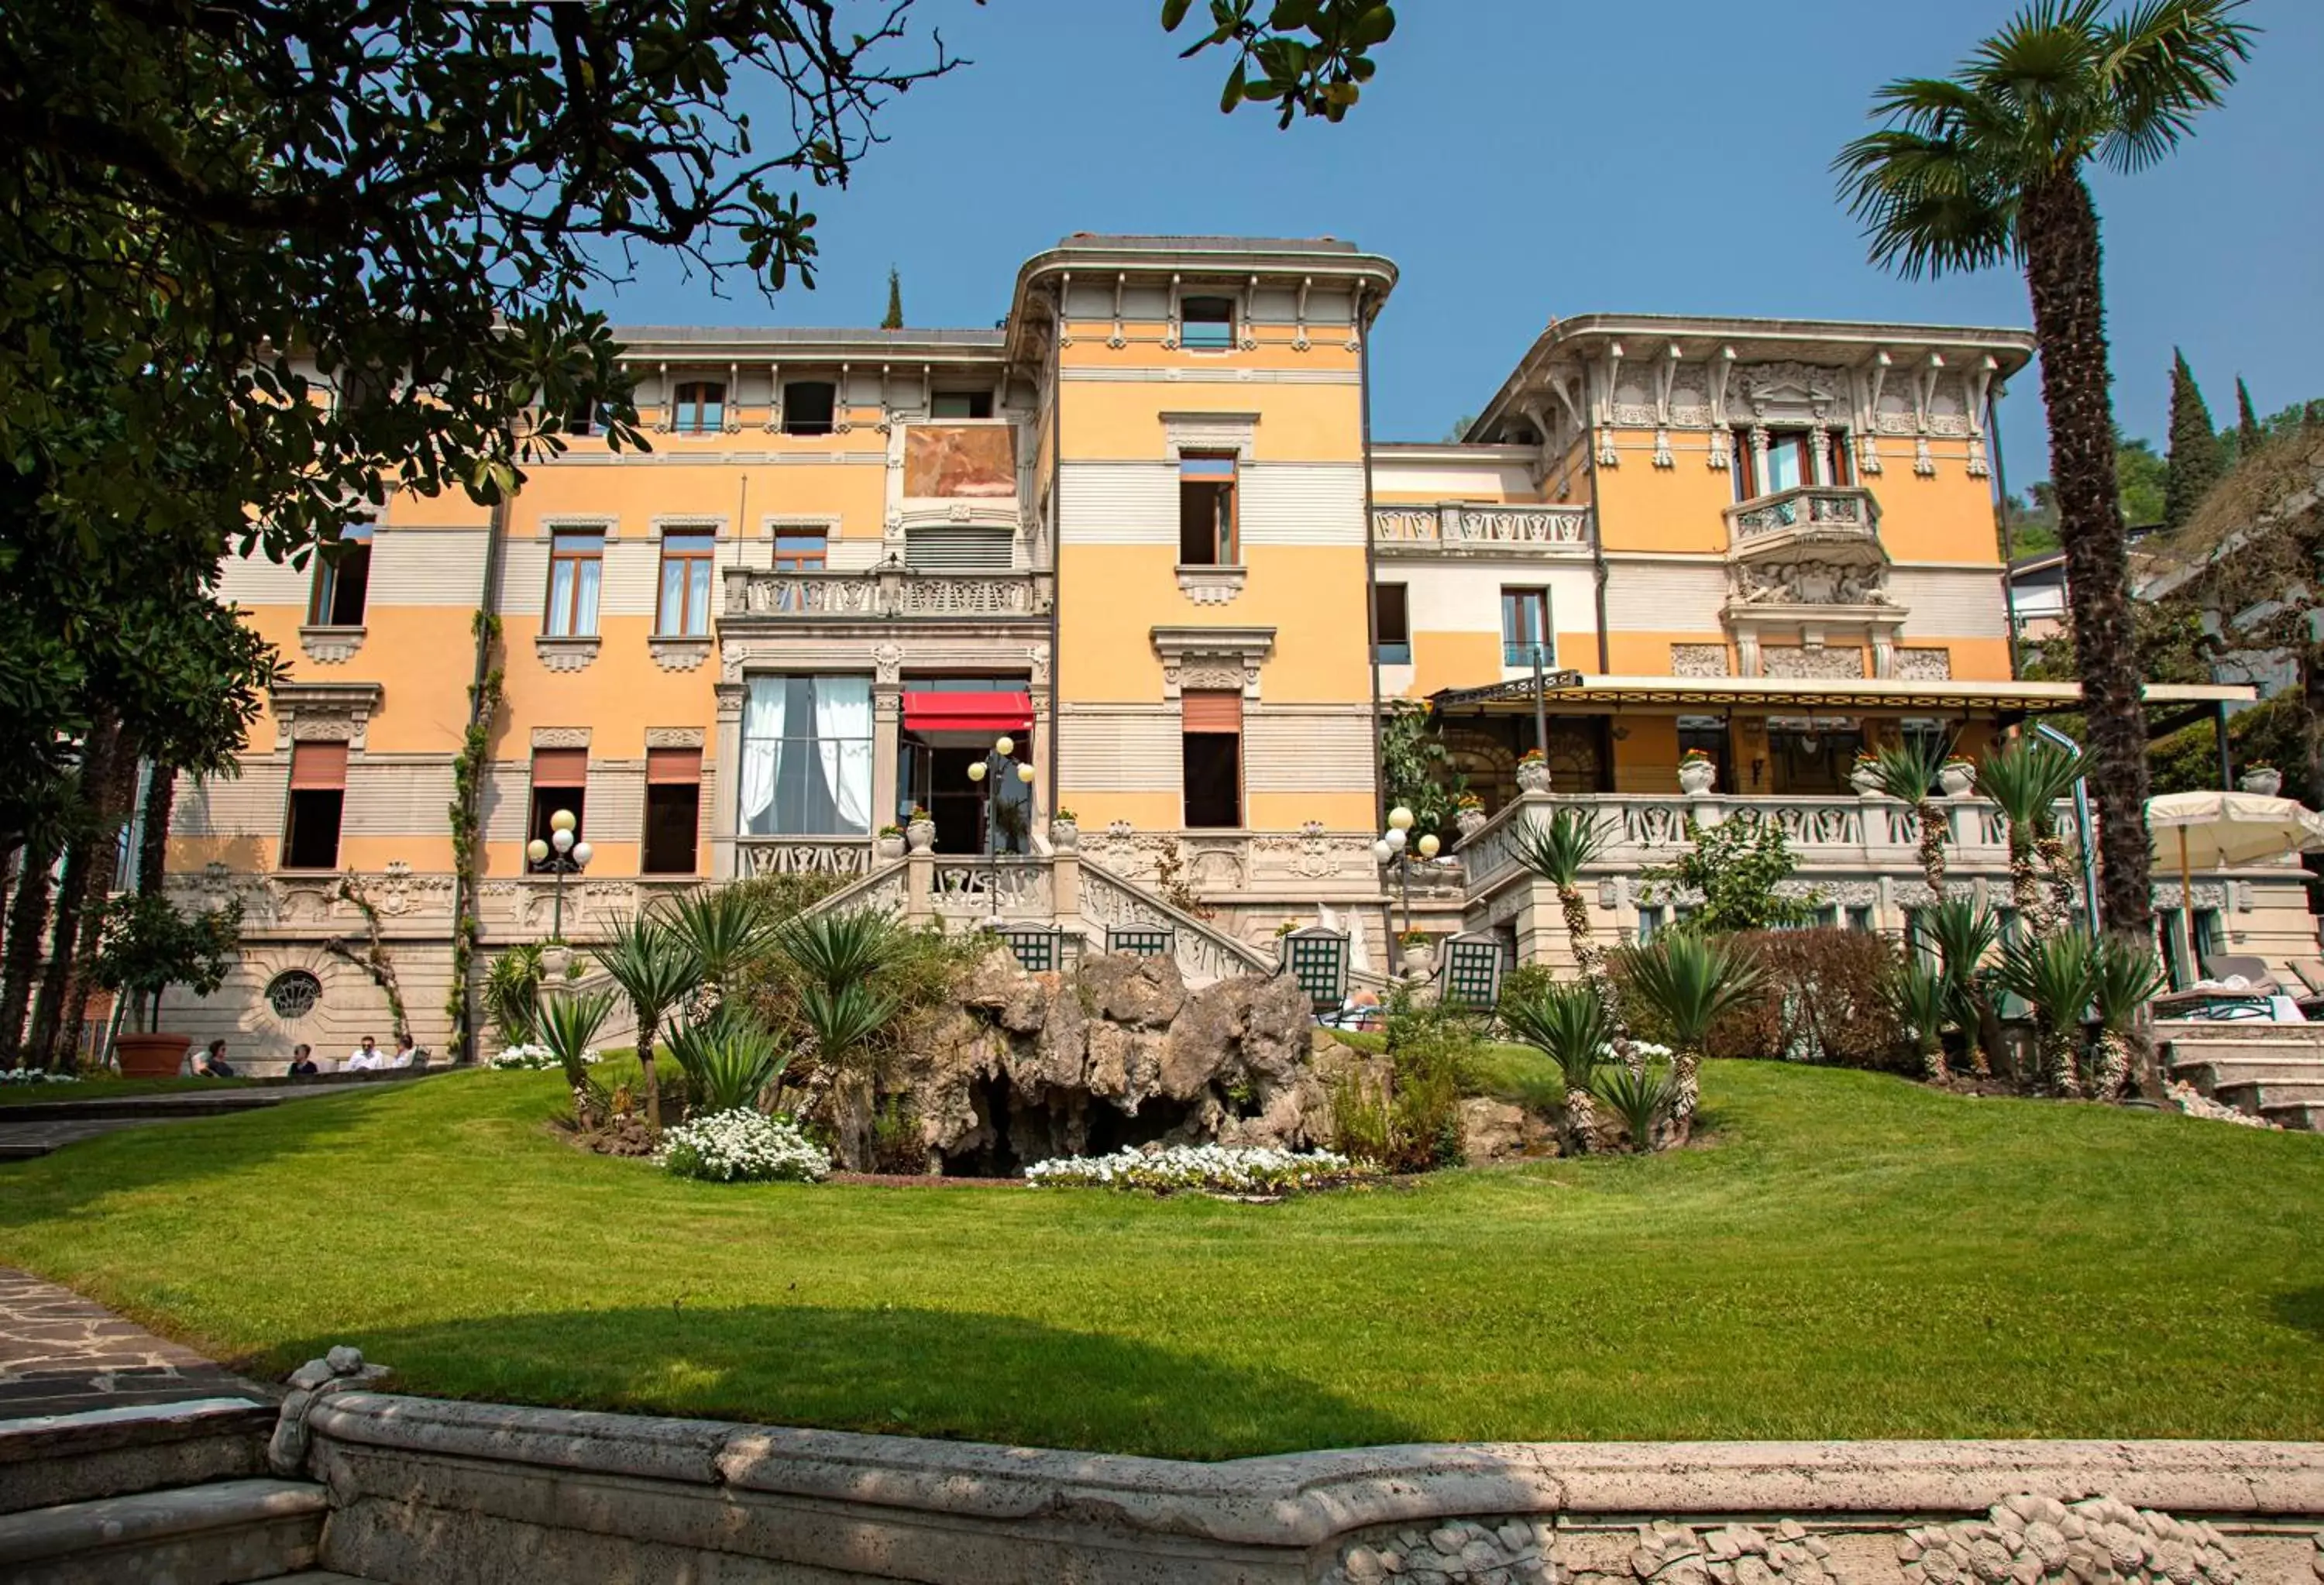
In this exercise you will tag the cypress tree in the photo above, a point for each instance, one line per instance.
(894, 319)
(2248, 433)
(2195, 463)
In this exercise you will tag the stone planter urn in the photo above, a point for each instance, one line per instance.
(888, 847)
(1696, 775)
(2265, 780)
(1866, 780)
(1065, 835)
(1470, 822)
(1420, 961)
(1957, 778)
(555, 964)
(1533, 775)
(149, 1056)
(921, 834)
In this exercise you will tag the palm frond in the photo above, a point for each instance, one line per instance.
(569, 1022)
(2027, 777)
(2160, 64)
(1690, 981)
(654, 966)
(843, 949)
(727, 1059)
(723, 927)
(1907, 770)
(1565, 1022)
(1962, 933)
(1920, 998)
(843, 1017)
(1560, 848)
(2057, 974)
(2124, 976)
(1641, 1100)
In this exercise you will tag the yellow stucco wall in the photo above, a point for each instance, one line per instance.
(1297, 423)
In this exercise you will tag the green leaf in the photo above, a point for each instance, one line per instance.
(1174, 11)
(1373, 27)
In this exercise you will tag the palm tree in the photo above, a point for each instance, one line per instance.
(1919, 997)
(839, 958)
(1963, 934)
(1988, 167)
(1691, 981)
(656, 972)
(1558, 852)
(1568, 1025)
(2124, 976)
(2057, 974)
(1905, 772)
(2027, 777)
(725, 928)
(569, 1022)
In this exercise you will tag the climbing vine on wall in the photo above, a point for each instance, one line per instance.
(372, 957)
(467, 826)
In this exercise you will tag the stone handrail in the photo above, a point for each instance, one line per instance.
(890, 591)
(1815, 506)
(1204, 952)
(1458, 523)
(803, 855)
(1006, 886)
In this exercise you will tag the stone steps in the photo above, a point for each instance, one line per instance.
(2211, 1075)
(214, 1534)
(128, 1449)
(2275, 1071)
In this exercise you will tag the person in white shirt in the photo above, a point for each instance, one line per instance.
(402, 1052)
(364, 1056)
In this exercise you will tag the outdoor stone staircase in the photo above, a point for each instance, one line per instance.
(2273, 1071)
(175, 1492)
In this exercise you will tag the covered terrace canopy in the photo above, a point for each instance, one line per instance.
(1566, 690)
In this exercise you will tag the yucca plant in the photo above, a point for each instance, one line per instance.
(1964, 934)
(1691, 981)
(2057, 974)
(2025, 777)
(1567, 1024)
(724, 928)
(656, 971)
(840, 949)
(1906, 772)
(1641, 1100)
(2124, 976)
(1919, 997)
(1559, 851)
(512, 994)
(569, 1022)
(727, 1058)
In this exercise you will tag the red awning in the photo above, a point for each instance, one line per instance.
(968, 712)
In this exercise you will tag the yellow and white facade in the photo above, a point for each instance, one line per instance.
(1143, 531)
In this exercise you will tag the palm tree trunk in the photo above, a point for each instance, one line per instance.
(1580, 1122)
(2058, 1056)
(1686, 1091)
(2025, 884)
(153, 840)
(28, 930)
(91, 854)
(2110, 1063)
(1591, 962)
(1933, 1066)
(1930, 818)
(646, 1067)
(2057, 875)
(2059, 227)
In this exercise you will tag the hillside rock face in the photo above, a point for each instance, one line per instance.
(1023, 1067)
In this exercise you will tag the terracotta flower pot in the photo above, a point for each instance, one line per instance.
(150, 1056)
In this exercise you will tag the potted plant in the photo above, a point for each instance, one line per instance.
(889, 845)
(920, 831)
(1065, 831)
(1533, 771)
(1865, 776)
(1696, 772)
(1469, 815)
(1958, 776)
(145, 946)
(2262, 778)
(1419, 954)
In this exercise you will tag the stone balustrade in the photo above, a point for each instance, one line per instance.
(1825, 509)
(882, 593)
(1456, 525)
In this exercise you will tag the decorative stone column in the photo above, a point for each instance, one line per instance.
(728, 784)
(887, 745)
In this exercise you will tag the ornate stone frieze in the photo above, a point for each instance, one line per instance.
(330, 646)
(317, 711)
(673, 737)
(1809, 581)
(1210, 585)
(560, 737)
(1216, 657)
(1925, 664)
(1800, 660)
(1699, 660)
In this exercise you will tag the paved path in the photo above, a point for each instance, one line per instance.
(62, 1354)
(35, 1127)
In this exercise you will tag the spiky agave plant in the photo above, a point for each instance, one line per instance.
(1567, 1024)
(1964, 934)
(2025, 777)
(728, 1060)
(1906, 772)
(725, 928)
(513, 994)
(2057, 974)
(1641, 1100)
(656, 971)
(1558, 851)
(1690, 981)
(841, 949)
(569, 1026)
(1918, 997)
(2124, 976)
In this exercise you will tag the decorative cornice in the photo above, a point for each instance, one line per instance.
(1210, 585)
(673, 737)
(565, 654)
(331, 646)
(678, 654)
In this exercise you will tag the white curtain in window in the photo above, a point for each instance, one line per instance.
(842, 729)
(762, 734)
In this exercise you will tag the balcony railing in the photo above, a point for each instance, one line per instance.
(1826, 508)
(1525, 652)
(886, 592)
(1453, 524)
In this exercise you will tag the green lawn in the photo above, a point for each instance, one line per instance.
(1854, 1256)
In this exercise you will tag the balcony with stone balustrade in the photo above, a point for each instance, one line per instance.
(889, 592)
(1482, 529)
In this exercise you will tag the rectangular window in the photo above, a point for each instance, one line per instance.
(560, 780)
(1859, 919)
(342, 580)
(809, 406)
(1525, 628)
(1650, 919)
(686, 567)
(1392, 624)
(1787, 466)
(1206, 324)
(800, 549)
(807, 757)
(576, 562)
(700, 408)
(318, 795)
(1206, 508)
(1212, 758)
(673, 810)
(962, 404)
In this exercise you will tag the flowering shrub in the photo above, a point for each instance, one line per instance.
(36, 1076)
(534, 1058)
(1242, 1168)
(1695, 757)
(743, 1146)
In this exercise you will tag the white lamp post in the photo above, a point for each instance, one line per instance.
(564, 853)
(981, 774)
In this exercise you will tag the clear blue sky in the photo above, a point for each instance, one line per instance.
(1526, 159)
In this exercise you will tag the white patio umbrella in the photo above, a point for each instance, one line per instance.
(2221, 830)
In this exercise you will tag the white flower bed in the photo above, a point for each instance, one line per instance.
(1648, 1050)
(534, 1058)
(743, 1146)
(36, 1076)
(1237, 1169)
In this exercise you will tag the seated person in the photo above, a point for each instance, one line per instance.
(365, 1057)
(405, 1056)
(212, 1063)
(302, 1061)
